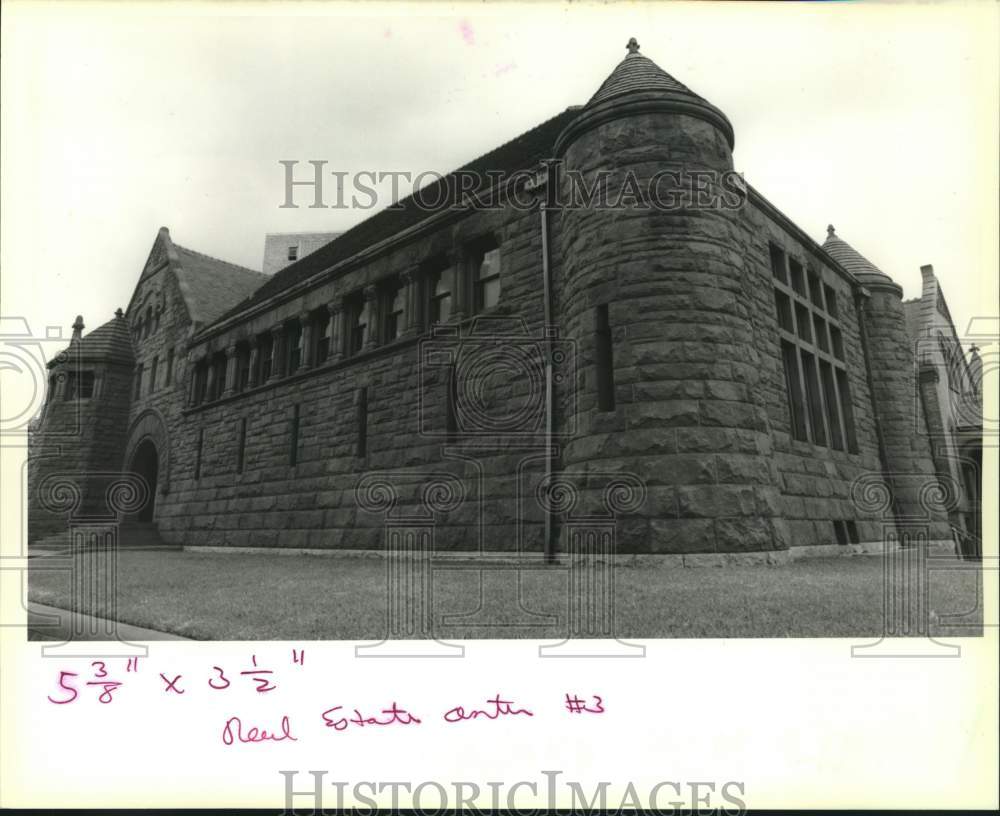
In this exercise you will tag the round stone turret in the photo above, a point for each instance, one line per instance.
(653, 293)
(907, 461)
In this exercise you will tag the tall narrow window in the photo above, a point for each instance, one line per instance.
(604, 359)
(778, 264)
(814, 398)
(832, 405)
(170, 368)
(241, 449)
(69, 392)
(86, 384)
(361, 401)
(152, 374)
(200, 381)
(156, 320)
(450, 402)
(293, 342)
(439, 296)
(219, 375)
(847, 410)
(293, 253)
(394, 298)
(293, 441)
(242, 367)
(147, 323)
(356, 309)
(797, 275)
(486, 273)
(265, 353)
(793, 388)
(197, 453)
(321, 331)
(138, 383)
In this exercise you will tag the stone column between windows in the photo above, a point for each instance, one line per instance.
(411, 318)
(277, 347)
(254, 357)
(335, 310)
(231, 372)
(460, 285)
(306, 358)
(371, 300)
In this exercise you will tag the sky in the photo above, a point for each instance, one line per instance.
(117, 120)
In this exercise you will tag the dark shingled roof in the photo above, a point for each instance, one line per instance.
(108, 342)
(211, 286)
(637, 73)
(521, 153)
(852, 260)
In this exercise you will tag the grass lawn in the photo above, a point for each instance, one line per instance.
(242, 596)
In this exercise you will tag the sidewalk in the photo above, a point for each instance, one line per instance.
(52, 623)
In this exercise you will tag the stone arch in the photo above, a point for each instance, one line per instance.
(150, 426)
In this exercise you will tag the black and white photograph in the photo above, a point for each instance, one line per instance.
(416, 331)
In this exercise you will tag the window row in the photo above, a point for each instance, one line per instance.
(151, 380)
(379, 314)
(811, 341)
(77, 385)
(148, 323)
(294, 436)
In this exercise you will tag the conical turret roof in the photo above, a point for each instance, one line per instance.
(852, 260)
(639, 84)
(637, 73)
(110, 342)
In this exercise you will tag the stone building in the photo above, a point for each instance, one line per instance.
(763, 389)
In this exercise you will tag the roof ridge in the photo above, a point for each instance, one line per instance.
(219, 260)
(404, 214)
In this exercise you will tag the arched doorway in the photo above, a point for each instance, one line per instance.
(145, 462)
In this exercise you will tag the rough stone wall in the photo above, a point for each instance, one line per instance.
(78, 439)
(164, 403)
(815, 480)
(312, 503)
(909, 466)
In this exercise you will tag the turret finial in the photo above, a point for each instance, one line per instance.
(119, 313)
(974, 350)
(78, 327)
(633, 46)
(829, 230)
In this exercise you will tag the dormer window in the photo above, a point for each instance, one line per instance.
(293, 253)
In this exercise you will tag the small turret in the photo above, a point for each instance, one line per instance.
(78, 327)
(908, 464)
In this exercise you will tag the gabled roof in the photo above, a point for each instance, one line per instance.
(110, 342)
(852, 260)
(524, 152)
(208, 285)
(211, 286)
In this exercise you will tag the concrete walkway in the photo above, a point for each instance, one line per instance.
(52, 623)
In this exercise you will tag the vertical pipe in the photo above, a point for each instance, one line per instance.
(550, 554)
